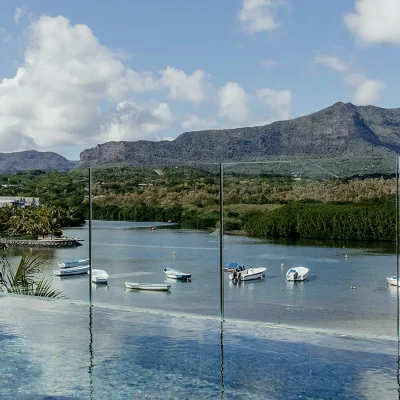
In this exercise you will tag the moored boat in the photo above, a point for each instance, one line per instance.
(393, 280)
(297, 274)
(83, 269)
(231, 266)
(74, 263)
(99, 276)
(159, 287)
(248, 274)
(175, 274)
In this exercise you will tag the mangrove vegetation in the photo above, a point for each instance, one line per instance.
(262, 205)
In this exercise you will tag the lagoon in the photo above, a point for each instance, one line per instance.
(131, 251)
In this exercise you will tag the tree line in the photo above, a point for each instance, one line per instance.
(37, 221)
(367, 221)
(191, 197)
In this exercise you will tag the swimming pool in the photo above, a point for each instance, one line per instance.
(58, 349)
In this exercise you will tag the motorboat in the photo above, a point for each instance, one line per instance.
(83, 269)
(297, 274)
(248, 274)
(99, 276)
(175, 274)
(159, 287)
(393, 280)
(231, 266)
(74, 263)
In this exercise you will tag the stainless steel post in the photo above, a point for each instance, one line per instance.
(90, 235)
(221, 240)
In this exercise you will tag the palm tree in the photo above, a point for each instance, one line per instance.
(23, 281)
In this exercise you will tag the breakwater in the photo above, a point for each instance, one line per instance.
(64, 242)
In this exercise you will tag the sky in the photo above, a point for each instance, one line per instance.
(75, 73)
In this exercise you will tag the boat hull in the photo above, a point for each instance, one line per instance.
(175, 274)
(392, 280)
(99, 276)
(72, 271)
(297, 274)
(249, 274)
(99, 280)
(158, 287)
(74, 263)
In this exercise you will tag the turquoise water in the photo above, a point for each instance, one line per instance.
(58, 350)
(131, 251)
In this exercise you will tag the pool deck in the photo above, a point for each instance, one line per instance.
(66, 350)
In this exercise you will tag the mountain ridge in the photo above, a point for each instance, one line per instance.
(340, 131)
(34, 160)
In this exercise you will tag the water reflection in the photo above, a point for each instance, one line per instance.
(372, 246)
(398, 369)
(100, 287)
(222, 360)
(90, 371)
(139, 355)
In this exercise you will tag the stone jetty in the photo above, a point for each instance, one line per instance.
(55, 242)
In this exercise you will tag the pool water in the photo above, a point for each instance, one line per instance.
(63, 350)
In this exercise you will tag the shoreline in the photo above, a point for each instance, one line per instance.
(62, 242)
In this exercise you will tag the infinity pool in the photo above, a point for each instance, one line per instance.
(60, 350)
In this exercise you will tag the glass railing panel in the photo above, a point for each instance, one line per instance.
(312, 214)
(146, 220)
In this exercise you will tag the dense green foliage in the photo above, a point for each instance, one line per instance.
(263, 204)
(367, 221)
(36, 221)
(137, 212)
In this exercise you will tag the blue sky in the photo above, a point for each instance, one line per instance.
(75, 74)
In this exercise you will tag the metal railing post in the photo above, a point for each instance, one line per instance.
(221, 240)
(90, 235)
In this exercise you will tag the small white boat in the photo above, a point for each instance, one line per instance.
(99, 276)
(297, 274)
(159, 287)
(74, 263)
(175, 274)
(83, 269)
(393, 280)
(248, 274)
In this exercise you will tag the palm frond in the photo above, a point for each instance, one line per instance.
(43, 289)
(28, 266)
(23, 281)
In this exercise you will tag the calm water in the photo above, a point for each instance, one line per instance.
(55, 350)
(133, 252)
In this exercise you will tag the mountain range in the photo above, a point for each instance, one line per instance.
(32, 159)
(340, 132)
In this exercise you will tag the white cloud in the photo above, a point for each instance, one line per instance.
(367, 91)
(257, 15)
(232, 102)
(375, 21)
(331, 62)
(59, 94)
(192, 122)
(185, 87)
(18, 14)
(278, 100)
(268, 63)
(70, 90)
(130, 121)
